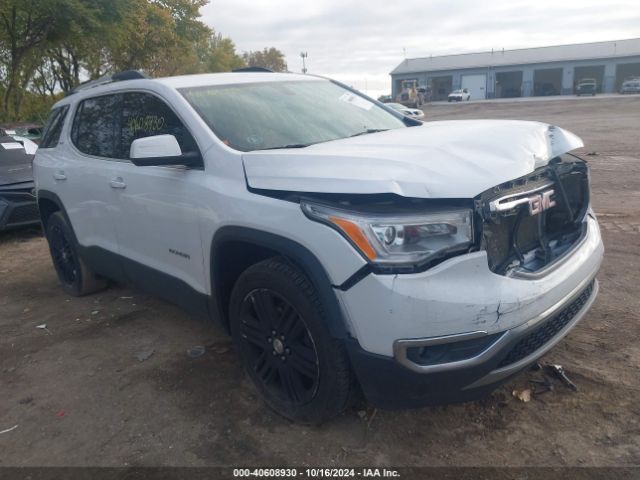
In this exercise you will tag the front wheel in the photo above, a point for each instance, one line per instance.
(278, 324)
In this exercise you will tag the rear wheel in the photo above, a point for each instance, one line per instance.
(277, 322)
(76, 277)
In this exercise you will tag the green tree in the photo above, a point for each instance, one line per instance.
(47, 47)
(218, 54)
(160, 37)
(27, 27)
(270, 58)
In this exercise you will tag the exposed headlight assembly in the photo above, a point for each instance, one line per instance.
(399, 239)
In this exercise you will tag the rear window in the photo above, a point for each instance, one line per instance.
(53, 128)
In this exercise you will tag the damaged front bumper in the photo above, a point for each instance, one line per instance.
(457, 330)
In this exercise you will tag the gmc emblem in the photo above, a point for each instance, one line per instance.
(541, 202)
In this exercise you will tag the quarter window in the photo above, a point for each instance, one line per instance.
(145, 115)
(53, 128)
(94, 126)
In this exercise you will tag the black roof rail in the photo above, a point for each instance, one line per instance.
(116, 77)
(128, 75)
(252, 69)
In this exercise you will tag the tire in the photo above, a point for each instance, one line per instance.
(278, 324)
(76, 277)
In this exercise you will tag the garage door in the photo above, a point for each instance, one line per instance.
(476, 84)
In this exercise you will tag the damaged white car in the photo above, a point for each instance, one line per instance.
(343, 245)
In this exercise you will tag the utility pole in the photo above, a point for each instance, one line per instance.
(304, 55)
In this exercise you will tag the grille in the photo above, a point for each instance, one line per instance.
(18, 196)
(539, 337)
(23, 214)
(508, 236)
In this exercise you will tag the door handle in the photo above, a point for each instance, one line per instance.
(117, 182)
(59, 175)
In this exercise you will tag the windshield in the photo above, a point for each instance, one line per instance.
(291, 114)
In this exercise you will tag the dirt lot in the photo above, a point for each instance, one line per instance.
(80, 396)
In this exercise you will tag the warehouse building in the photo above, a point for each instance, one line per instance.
(527, 72)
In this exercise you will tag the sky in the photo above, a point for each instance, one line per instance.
(360, 42)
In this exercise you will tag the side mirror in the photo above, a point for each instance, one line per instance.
(160, 150)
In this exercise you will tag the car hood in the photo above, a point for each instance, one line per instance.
(15, 162)
(446, 159)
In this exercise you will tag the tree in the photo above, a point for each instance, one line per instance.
(48, 47)
(218, 54)
(270, 58)
(161, 37)
(29, 27)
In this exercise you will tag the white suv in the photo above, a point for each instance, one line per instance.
(343, 245)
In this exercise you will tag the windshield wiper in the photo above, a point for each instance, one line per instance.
(369, 130)
(293, 145)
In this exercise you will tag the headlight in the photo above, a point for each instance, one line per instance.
(399, 238)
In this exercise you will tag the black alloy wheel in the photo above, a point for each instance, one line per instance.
(279, 325)
(76, 277)
(279, 347)
(63, 255)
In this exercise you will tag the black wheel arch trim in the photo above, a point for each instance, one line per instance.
(48, 195)
(299, 255)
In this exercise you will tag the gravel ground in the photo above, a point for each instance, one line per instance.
(80, 395)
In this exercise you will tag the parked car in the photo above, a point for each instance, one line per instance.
(587, 86)
(346, 247)
(385, 98)
(459, 95)
(18, 206)
(630, 86)
(410, 112)
(32, 131)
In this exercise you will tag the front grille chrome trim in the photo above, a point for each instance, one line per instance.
(498, 204)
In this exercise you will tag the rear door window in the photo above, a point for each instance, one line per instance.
(94, 126)
(145, 115)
